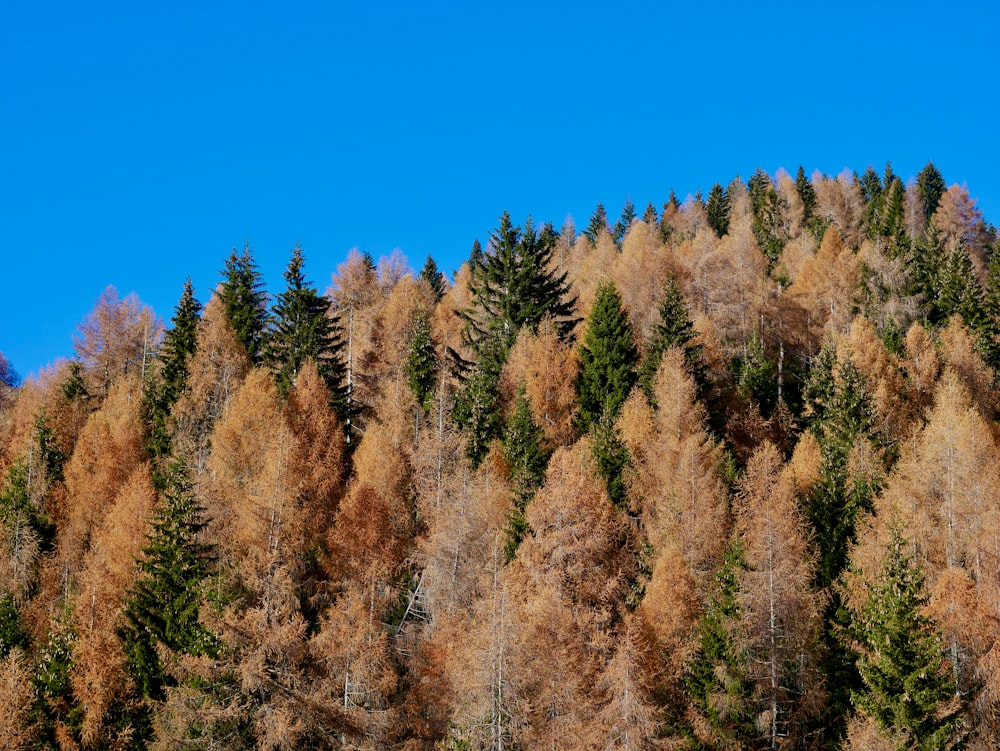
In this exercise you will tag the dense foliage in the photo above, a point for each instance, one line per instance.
(722, 476)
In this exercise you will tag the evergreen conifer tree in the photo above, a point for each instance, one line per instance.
(514, 285)
(303, 330)
(717, 209)
(433, 276)
(242, 291)
(673, 329)
(989, 334)
(926, 263)
(931, 186)
(837, 499)
(959, 292)
(598, 224)
(421, 367)
(649, 215)
(766, 206)
(908, 688)
(716, 677)
(179, 345)
(162, 606)
(754, 375)
(833, 507)
(807, 194)
(607, 359)
(522, 449)
(624, 222)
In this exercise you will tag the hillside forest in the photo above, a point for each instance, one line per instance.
(719, 474)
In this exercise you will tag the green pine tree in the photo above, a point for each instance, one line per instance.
(989, 332)
(754, 375)
(303, 330)
(55, 710)
(242, 292)
(178, 347)
(612, 457)
(717, 209)
(649, 215)
(523, 451)
(514, 285)
(807, 194)
(421, 367)
(908, 685)
(162, 607)
(927, 260)
(930, 186)
(716, 677)
(598, 224)
(433, 276)
(872, 192)
(767, 223)
(673, 329)
(838, 498)
(624, 222)
(608, 357)
(959, 291)
(844, 419)
(12, 631)
(477, 405)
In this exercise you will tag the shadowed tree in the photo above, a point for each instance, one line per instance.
(607, 359)
(908, 688)
(301, 330)
(242, 292)
(179, 345)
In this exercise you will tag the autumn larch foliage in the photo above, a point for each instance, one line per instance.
(435, 513)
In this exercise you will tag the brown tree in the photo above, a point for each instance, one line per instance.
(780, 612)
(546, 368)
(119, 337)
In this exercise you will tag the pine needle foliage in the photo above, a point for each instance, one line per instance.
(302, 330)
(608, 357)
(163, 606)
(909, 688)
(242, 291)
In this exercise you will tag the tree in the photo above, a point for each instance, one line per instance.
(303, 330)
(356, 294)
(717, 209)
(242, 292)
(807, 194)
(908, 687)
(118, 338)
(716, 678)
(780, 611)
(766, 206)
(673, 329)
(179, 345)
(522, 449)
(433, 276)
(421, 365)
(162, 606)
(8, 375)
(514, 285)
(930, 186)
(624, 222)
(608, 356)
(598, 224)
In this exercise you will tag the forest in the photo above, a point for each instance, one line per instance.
(722, 474)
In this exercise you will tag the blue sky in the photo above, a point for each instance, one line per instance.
(140, 143)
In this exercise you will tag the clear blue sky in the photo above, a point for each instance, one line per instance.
(140, 142)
